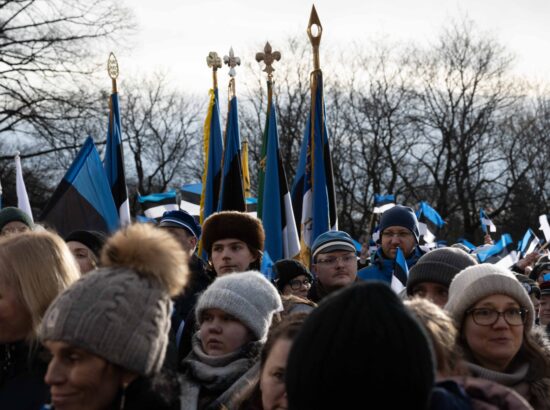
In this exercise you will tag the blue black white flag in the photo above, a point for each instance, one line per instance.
(529, 243)
(486, 223)
(154, 205)
(400, 272)
(383, 202)
(83, 199)
(493, 253)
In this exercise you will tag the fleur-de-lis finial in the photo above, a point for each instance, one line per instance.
(232, 62)
(268, 57)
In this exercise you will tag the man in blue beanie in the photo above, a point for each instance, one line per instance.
(334, 263)
(398, 228)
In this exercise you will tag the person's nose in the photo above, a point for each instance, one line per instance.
(55, 374)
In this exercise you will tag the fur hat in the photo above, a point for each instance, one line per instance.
(248, 296)
(439, 266)
(94, 240)
(122, 311)
(400, 215)
(360, 342)
(287, 269)
(477, 282)
(11, 214)
(233, 224)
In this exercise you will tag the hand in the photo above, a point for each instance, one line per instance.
(527, 261)
(487, 240)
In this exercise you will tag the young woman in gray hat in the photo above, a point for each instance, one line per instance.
(495, 317)
(108, 332)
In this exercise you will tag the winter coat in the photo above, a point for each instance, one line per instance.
(22, 372)
(381, 268)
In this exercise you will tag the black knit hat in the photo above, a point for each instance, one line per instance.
(400, 215)
(11, 214)
(287, 269)
(233, 224)
(541, 266)
(439, 266)
(531, 286)
(360, 342)
(94, 240)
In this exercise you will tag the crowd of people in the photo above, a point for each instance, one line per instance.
(175, 315)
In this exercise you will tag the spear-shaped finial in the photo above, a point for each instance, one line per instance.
(112, 69)
(214, 61)
(314, 32)
(268, 57)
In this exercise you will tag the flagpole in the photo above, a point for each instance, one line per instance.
(314, 32)
(214, 62)
(112, 69)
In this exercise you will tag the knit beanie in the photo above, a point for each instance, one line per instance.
(248, 296)
(540, 266)
(331, 241)
(232, 224)
(122, 311)
(360, 342)
(287, 269)
(94, 240)
(439, 266)
(477, 282)
(11, 214)
(400, 215)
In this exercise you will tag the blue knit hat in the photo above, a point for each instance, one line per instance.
(180, 219)
(331, 241)
(400, 215)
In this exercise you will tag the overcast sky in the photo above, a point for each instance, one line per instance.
(176, 35)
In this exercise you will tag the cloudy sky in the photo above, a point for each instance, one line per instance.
(176, 35)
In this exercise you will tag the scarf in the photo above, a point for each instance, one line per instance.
(218, 378)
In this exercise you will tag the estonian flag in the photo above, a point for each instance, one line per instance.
(493, 253)
(383, 202)
(529, 243)
(277, 215)
(114, 162)
(313, 189)
(400, 272)
(83, 199)
(232, 191)
(155, 205)
(486, 222)
(427, 216)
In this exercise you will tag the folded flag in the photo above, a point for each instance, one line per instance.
(154, 205)
(400, 272)
(383, 202)
(486, 222)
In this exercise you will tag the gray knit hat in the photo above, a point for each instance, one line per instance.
(439, 266)
(248, 296)
(479, 281)
(122, 312)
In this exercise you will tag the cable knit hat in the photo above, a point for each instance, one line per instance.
(400, 215)
(11, 214)
(360, 342)
(439, 266)
(248, 296)
(122, 311)
(287, 269)
(233, 224)
(477, 282)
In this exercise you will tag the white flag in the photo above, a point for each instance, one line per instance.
(22, 197)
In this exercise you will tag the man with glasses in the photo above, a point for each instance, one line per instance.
(398, 229)
(334, 263)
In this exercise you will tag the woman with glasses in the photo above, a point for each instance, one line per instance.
(495, 318)
(292, 278)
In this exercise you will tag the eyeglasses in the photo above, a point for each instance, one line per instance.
(398, 235)
(334, 260)
(488, 317)
(296, 284)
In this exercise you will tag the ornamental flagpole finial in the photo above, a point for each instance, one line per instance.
(314, 32)
(214, 61)
(232, 62)
(268, 57)
(112, 69)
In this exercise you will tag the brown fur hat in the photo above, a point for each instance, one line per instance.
(233, 224)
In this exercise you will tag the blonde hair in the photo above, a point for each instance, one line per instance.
(442, 331)
(37, 266)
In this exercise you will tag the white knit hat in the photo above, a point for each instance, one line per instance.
(248, 296)
(477, 282)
